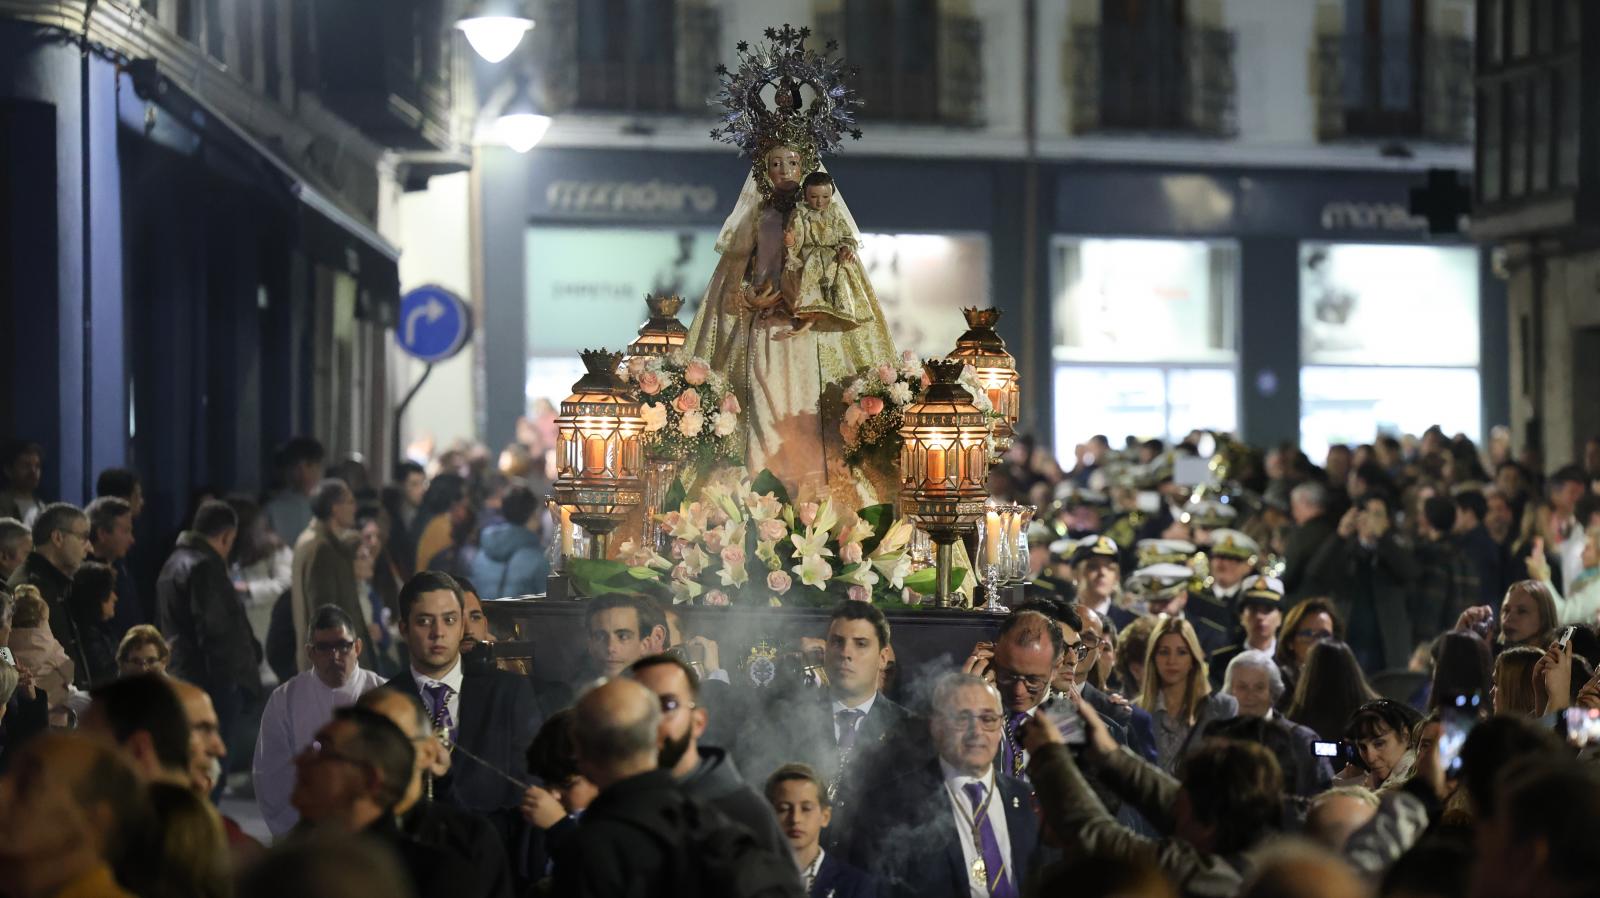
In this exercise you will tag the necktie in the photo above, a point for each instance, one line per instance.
(848, 719)
(998, 878)
(439, 698)
(1014, 760)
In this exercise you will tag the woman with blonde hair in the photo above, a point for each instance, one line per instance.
(1513, 691)
(1177, 691)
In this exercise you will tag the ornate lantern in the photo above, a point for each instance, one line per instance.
(597, 449)
(944, 465)
(984, 349)
(662, 332)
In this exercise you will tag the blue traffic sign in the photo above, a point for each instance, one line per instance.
(434, 323)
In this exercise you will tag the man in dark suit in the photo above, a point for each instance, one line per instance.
(492, 713)
(852, 729)
(956, 826)
(1305, 573)
(1098, 561)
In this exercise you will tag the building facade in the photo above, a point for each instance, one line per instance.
(1193, 213)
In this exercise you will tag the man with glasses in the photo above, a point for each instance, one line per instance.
(703, 772)
(299, 707)
(60, 544)
(1022, 664)
(351, 778)
(958, 826)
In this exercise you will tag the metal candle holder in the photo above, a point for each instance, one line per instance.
(983, 348)
(944, 465)
(598, 450)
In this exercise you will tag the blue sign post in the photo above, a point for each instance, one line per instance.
(434, 323)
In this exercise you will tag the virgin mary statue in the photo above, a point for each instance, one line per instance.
(787, 380)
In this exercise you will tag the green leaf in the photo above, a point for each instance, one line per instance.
(676, 493)
(881, 517)
(765, 482)
(926, 580)
(600, 576)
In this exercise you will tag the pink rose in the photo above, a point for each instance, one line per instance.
(926, 380)
(871, 405)
(649, 383)
(886, 373)
(715, 597)
(850, 553)
(730, 404)
(860, 594)
(908, 358)
(733, 556)
(636, 365)
(808, 513)
(679, 546)
(697, 372)
(713, 540)
(779, 582)
(772, 530)
(687, 401)
(680, 573)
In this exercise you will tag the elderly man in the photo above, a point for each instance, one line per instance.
(298, 708)
(324, 571)
(1314, 526)
(957, 826)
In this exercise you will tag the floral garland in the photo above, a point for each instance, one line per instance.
(689, 412)
(875, 403)
(743, 542)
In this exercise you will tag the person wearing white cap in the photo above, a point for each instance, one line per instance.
(1260, 605)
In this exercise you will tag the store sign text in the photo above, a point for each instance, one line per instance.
(1345, 216)
(630, 198)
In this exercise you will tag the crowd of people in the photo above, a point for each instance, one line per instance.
(1375, 676)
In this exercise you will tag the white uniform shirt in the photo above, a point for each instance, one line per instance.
(294, 713)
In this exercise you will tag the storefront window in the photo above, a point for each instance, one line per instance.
(1166, 306)
(1388, 341)
(586, 289)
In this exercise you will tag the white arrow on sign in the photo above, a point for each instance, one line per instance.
(433, 311)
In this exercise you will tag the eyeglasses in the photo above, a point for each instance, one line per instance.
(342, 647)
(1318, 635)
(323, 751)
(670, 704)
(1006, 679)
(988, 721)
(1080, 650)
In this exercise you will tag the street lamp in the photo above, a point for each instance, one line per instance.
(985, 350)
(521, 125)
(944, 465)
(598, 456)
(493, 37)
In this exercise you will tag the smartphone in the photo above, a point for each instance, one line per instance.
(1583, 726)
(6, 657)
(1456, 721)
(1059, 710)
(1323, 749)
(1566, 637)
(1339, 754)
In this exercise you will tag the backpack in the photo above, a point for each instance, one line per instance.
(714, 857)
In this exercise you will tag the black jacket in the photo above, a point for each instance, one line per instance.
(498, 719)
(837, 879)
(434, 871)
(443, 826)
(1303, 576)
(907, 836)
(96, 659)
(200, 614)
(717, 782)
(54, 587)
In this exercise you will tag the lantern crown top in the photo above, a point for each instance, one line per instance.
(600, 361)
(981, 317)
(944, 371)
(663, 305)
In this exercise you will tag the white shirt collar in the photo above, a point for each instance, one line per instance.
(957, 781)
(452, 678)
(809, 874)
(865, 707)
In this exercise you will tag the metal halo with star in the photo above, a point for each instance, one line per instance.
(785, 64)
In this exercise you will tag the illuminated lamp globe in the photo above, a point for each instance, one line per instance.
(494, 37)
(521, 130)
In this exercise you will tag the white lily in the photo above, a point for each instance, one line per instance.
(736, 575)
(860, 575)
(814, 570)
(894, 568)
(812, 543)
(898, 536)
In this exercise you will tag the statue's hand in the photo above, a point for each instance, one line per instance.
(763, 299)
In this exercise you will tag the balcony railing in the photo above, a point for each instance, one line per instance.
(1171, 80)
(1394, 88)
(948, 92)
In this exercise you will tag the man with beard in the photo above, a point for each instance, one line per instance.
(477, 643)
(703, 772)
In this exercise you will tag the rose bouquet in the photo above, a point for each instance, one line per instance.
(875, 403)
(689, 412)
(743, 542)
